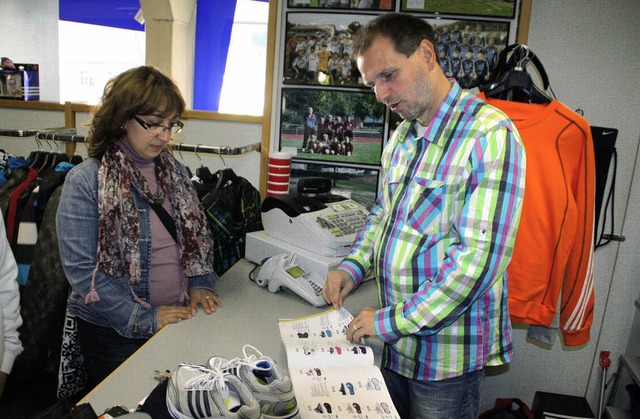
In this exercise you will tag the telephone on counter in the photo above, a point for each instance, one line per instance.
(281, 271)
(324, 225)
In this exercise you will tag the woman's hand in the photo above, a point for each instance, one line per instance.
(172, 314)
(206, 298)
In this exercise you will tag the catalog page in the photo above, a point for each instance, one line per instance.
(342, 392)
(320, 340)
(332, 377)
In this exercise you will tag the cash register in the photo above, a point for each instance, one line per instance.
(316, 225)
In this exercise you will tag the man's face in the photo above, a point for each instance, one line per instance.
(400, 82)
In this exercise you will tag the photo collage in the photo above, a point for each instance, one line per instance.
(328, 119)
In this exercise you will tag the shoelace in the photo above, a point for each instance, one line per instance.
(208, 380)
(249, 360)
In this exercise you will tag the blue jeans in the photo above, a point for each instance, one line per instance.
(103, 350)
(453, 398)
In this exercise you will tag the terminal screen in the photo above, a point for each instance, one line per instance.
(296, 271)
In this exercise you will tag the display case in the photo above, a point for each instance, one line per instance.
(21, 83)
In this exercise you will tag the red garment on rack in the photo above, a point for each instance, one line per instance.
(12, 209)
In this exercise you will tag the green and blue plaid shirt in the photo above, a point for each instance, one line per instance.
(439, 239)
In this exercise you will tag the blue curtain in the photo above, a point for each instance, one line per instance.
(113, 13)
(214, 22)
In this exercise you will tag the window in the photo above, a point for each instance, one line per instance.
(244, 76)
(98, 40)
(90, 55)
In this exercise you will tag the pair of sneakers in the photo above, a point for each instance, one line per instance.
(247, 388)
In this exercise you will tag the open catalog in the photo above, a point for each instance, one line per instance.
(332, 377)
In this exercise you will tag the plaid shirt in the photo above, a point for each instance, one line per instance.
(439, 239)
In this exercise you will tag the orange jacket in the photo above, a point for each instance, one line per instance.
(553, 254)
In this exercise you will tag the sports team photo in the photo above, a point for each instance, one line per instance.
(344, 4)
(489, 8)
(335, 126)
(318, 49)
(468, 50)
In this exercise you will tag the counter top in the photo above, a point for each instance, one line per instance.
(249, 316)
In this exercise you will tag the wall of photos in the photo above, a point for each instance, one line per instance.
(327, 118)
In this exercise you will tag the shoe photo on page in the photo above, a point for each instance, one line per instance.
(195, 391)
(266, 381)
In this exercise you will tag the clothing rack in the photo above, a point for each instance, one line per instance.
(17, 133)
(69, 135)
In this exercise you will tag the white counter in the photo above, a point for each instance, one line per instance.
(250, 315)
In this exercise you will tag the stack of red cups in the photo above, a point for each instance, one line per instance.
(278, 174)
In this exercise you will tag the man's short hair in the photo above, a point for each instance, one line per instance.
(405, 32)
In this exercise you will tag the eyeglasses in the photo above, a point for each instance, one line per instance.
(158, 128)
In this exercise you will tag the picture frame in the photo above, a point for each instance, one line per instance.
(472, 60)
(340, 126)
(488, 8)
(317, 48)
(361, 5)
(356, 183)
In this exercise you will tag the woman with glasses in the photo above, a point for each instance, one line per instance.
(134, 242)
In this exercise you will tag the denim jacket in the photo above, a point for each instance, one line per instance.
(77, 227)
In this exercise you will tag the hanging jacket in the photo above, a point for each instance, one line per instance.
(553, 254)
(43, 302)
(232, 212)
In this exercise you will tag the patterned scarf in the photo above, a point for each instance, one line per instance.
(118, 229)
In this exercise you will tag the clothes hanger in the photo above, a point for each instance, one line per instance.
(224, 176)
(43, 159)
(75, 159)
(177, 147)
(38, 156)
(511, 81)
(58, 157)
(203, 173)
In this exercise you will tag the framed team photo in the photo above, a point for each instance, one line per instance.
(344, 4)
(318, 49)
(357, 183)
(488, 8)
(342, 127)
(468, 50)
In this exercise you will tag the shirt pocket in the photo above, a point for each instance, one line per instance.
(424, 212)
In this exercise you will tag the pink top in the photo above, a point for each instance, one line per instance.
(167, 282)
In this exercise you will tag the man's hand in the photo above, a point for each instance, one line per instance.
(338, 285)
(362, 326)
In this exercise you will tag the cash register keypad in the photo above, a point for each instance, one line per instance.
(343, 223)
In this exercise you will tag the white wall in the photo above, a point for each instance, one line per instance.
(29, 34)
(590, 52)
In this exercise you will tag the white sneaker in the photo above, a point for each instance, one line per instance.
(266, 381)
(198, 392)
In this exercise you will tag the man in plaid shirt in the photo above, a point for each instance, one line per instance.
(441, 232)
